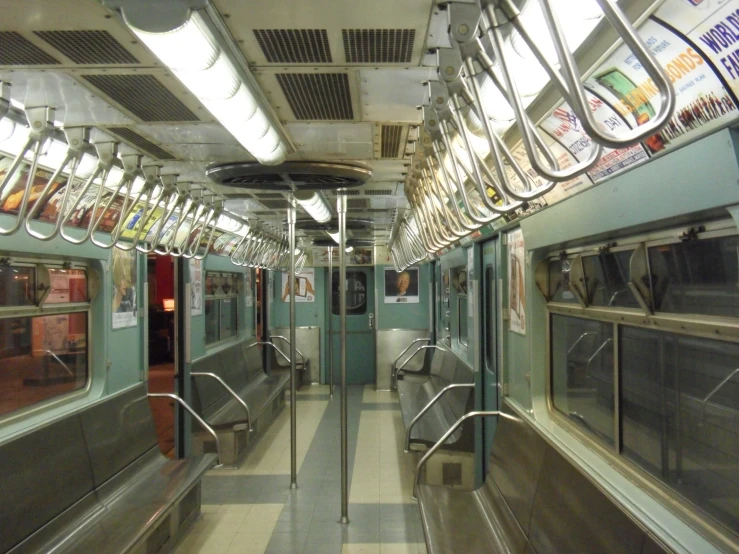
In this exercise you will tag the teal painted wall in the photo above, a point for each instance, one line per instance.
(403, 316)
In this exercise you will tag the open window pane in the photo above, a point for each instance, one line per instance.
(607, 275)
(680, 423)
(697, 276)
(559, 281)
(582, 373)
(41, 358)
(17, 285)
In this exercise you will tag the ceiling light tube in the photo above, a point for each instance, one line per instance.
(179, 34)
(315, 205)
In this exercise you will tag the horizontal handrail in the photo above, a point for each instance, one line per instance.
(194, 414)
(585, 334)
(262, 343)
(431, 451)
(428, 406)
(230, 391)
(714, 391)
(425, 347)
(600, 348)
(407, 348)
(290, 345)
(71, 373)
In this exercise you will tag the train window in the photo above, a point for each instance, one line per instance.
(462, 316)
(221, 305)
(489, 337)
(582, 373)
(559, 281)
(679, 405)
(697, 276)
(356, 293)
(44, 333)
(607, 276)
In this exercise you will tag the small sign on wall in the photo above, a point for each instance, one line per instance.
(124, 275)
(401, 287)
(304, 286)
(516, 281)
(196, 287)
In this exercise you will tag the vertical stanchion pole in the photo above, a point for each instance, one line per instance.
(330, 321)
(293, 380)
(341, 204)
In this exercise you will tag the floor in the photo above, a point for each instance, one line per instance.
(253, 510)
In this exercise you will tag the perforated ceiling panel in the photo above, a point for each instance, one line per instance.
(357, 203)
(142, 95)
(318, 96)
(378, 45)
(378, 192)
(391, 140)
(142, 143)
(18, 50)
(289, 46)
(88, 47)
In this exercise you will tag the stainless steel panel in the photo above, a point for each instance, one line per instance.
(308, 341)
(389, 344)
(117, 431)
(41, 474)
(571, 515)
(515, 464)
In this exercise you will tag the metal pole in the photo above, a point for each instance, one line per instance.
(293, 380)
(341, 208)
(330, 321)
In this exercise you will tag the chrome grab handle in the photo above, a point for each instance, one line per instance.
(76, 144)
(131, 168)
(431, 451)
(598, 351)
(229, 390)
(106, 153)
(195, 416)
(262, 343)
(718, 387)
(428, 406)
(66, 368)
(587, 333)
(407, 348)
(41, 124)
(290, 345)
(150, 204)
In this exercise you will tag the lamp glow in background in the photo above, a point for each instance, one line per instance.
(349, 249)
(7, 128)
(315, 205)
(194, 56)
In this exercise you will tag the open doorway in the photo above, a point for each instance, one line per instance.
(160, 276)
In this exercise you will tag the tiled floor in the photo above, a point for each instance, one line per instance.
(253, 510)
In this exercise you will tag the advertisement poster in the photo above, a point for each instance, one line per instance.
(358, 256)
(401, 287)
(123, 272)
(249, 288)
(196, 287)
(304, 286)
(516, 281)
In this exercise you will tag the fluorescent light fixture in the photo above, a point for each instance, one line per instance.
(195, 56)
(315, 205)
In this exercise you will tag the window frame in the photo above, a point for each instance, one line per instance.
(40, 309)
(233, 294)
(691, 325)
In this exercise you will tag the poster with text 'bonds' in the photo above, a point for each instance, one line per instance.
(516, 281)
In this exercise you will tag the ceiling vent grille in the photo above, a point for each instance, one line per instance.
(346, 193)
(321, 96)
(140, 142)
(391, 140)
(18, 50)
(268, 195)
(378, 192)
(142, 95)
(294, 45)
(357, 203)
(88, 47)
(281, 204)
(378, 45)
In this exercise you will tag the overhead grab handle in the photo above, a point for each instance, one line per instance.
(40, 121)
(149, 200)
(76, 146)
(81, 207)
(575, 94)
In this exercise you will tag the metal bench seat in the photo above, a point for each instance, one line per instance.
(426, 414)
(258, 392)
(96, 481)
(533, 501)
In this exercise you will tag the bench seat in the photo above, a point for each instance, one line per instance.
(101, 485)
(416, 391)
(533, 501)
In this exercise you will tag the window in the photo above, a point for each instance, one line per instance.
(489, 337)
(356, 293)
(44, 313)
(221, 305)
(462, 316)
(651, 369)
(459, 300)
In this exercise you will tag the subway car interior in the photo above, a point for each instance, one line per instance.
(401, 276)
